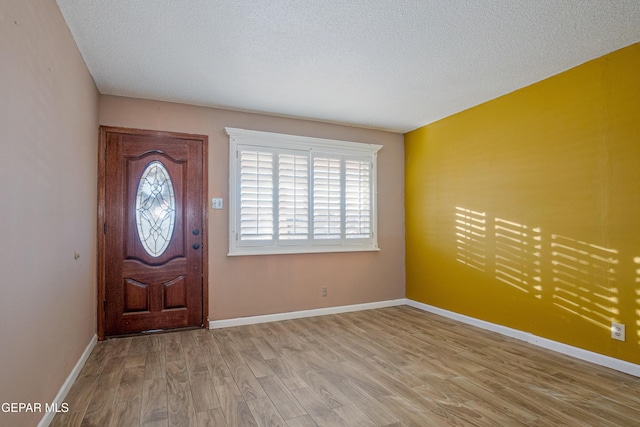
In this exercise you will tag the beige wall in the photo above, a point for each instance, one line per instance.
(48, 162)
(48, 155)
(256, 285)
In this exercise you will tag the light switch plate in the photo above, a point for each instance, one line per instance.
(216, 203)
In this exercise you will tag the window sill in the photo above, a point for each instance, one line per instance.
(292, 250)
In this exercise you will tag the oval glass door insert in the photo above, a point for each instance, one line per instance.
(155, 209)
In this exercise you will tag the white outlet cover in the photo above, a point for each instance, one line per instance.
(617, 331)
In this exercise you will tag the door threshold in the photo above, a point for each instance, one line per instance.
(154, 332)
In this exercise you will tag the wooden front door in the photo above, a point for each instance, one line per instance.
(151, 236)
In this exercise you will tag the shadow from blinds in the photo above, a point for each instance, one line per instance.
(579, 277)
(584, 278)
(517, 256)
(471, 234)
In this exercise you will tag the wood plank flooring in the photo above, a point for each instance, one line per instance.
(395, 366)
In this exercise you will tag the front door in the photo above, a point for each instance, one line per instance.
(152, 209)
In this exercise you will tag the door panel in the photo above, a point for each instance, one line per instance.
(153, 211)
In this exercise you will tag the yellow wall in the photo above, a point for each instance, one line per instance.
(525, 211)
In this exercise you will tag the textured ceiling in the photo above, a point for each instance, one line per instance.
(386, 64)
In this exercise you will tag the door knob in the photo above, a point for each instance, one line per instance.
(196, 246)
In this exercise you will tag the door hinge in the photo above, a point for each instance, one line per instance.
(104, 305)
(104, 228)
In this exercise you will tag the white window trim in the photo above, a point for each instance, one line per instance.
(345, 149)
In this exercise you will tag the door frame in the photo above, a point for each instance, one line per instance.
(101, 259)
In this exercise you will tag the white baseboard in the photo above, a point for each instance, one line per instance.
(241, 321)
(64, 390)
(578, 353)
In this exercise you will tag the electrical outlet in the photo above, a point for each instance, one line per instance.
(324, 291)
(617, 331)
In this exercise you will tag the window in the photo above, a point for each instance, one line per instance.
(155, 209)
(293, 194)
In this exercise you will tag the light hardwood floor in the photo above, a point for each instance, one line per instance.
(395, 366)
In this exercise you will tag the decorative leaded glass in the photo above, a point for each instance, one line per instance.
(155, 209)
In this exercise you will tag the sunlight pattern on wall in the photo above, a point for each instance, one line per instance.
(517, 256)
(584, 276)
(580, 277)
(471, 229)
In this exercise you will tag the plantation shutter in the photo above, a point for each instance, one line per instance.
(357, 199)
(293, 196)
(256, 195)
(327, 198)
